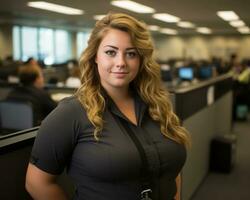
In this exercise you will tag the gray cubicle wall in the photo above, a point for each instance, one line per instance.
(15, 151)
(205, 109)
(214, 120)
(14, 157)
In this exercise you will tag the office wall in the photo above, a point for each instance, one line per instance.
(74, 46)
(5, 41)
(244, 49)
(202, 47)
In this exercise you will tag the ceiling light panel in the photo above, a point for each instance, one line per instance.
(244, 30)
(153, 28)
(204, 30)
(55, 8)
(133, 6)
(168, 31)
(237, 23)
(185, 24)
(98, 17)
(166, 17)
(228, 15)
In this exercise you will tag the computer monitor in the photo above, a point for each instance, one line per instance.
(205, 72)
(166, 75)
(166, 72)
(186, 73)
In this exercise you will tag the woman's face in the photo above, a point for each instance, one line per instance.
(117, 60)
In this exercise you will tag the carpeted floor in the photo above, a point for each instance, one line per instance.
(236, 185)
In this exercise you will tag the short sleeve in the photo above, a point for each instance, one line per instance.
(56, 139)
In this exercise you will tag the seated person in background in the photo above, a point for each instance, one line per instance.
(31, 90)
(241, 73)
(74, 79)
(241, 87)
(31, 61)
(244, 76)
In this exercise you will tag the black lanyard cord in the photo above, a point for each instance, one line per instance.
(146, 178)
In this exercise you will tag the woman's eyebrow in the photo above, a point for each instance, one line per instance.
(111, 46)
(114, 47)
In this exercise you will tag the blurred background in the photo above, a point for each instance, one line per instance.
(203, 48)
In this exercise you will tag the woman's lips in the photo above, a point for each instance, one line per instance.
(120, 74)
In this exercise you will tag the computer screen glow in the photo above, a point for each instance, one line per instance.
(186, 73)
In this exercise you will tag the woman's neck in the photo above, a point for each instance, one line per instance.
(119, 94)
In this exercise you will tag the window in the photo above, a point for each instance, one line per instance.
(62, 46)
(16, 43)
(51, 46)
(46, 46)
(82, 40)
(29, 44)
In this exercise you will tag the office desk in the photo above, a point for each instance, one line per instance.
(58, 93)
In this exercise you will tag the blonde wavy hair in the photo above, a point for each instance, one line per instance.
(147, 82)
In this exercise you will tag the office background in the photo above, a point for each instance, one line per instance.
(223, 40)
(29, 32)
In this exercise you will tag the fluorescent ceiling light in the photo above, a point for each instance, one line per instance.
(185, 24)
(166, 17)
(168, 31)
(237, 23)
(55, 8)
(153, 28)
(133, 6)
(98, 17)
(228, 15)
(244, 30)
(204, 30)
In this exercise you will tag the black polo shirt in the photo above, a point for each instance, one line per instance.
(108, 169)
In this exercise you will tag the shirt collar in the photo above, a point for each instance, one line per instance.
(140, 105)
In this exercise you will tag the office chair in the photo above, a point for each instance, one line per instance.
(15, 115)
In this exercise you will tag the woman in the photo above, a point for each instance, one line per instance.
(93, 134)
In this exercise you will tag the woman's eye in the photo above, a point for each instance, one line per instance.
(131, 54)
(110, 53)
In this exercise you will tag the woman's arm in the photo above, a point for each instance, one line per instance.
(178, 186)
(42, 185)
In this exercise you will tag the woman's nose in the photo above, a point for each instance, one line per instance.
(121, 61)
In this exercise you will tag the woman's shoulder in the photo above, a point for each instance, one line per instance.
(71, 101)
(69, 114)
(69, 107)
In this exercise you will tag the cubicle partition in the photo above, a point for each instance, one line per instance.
(205, 109)
(15, 151)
